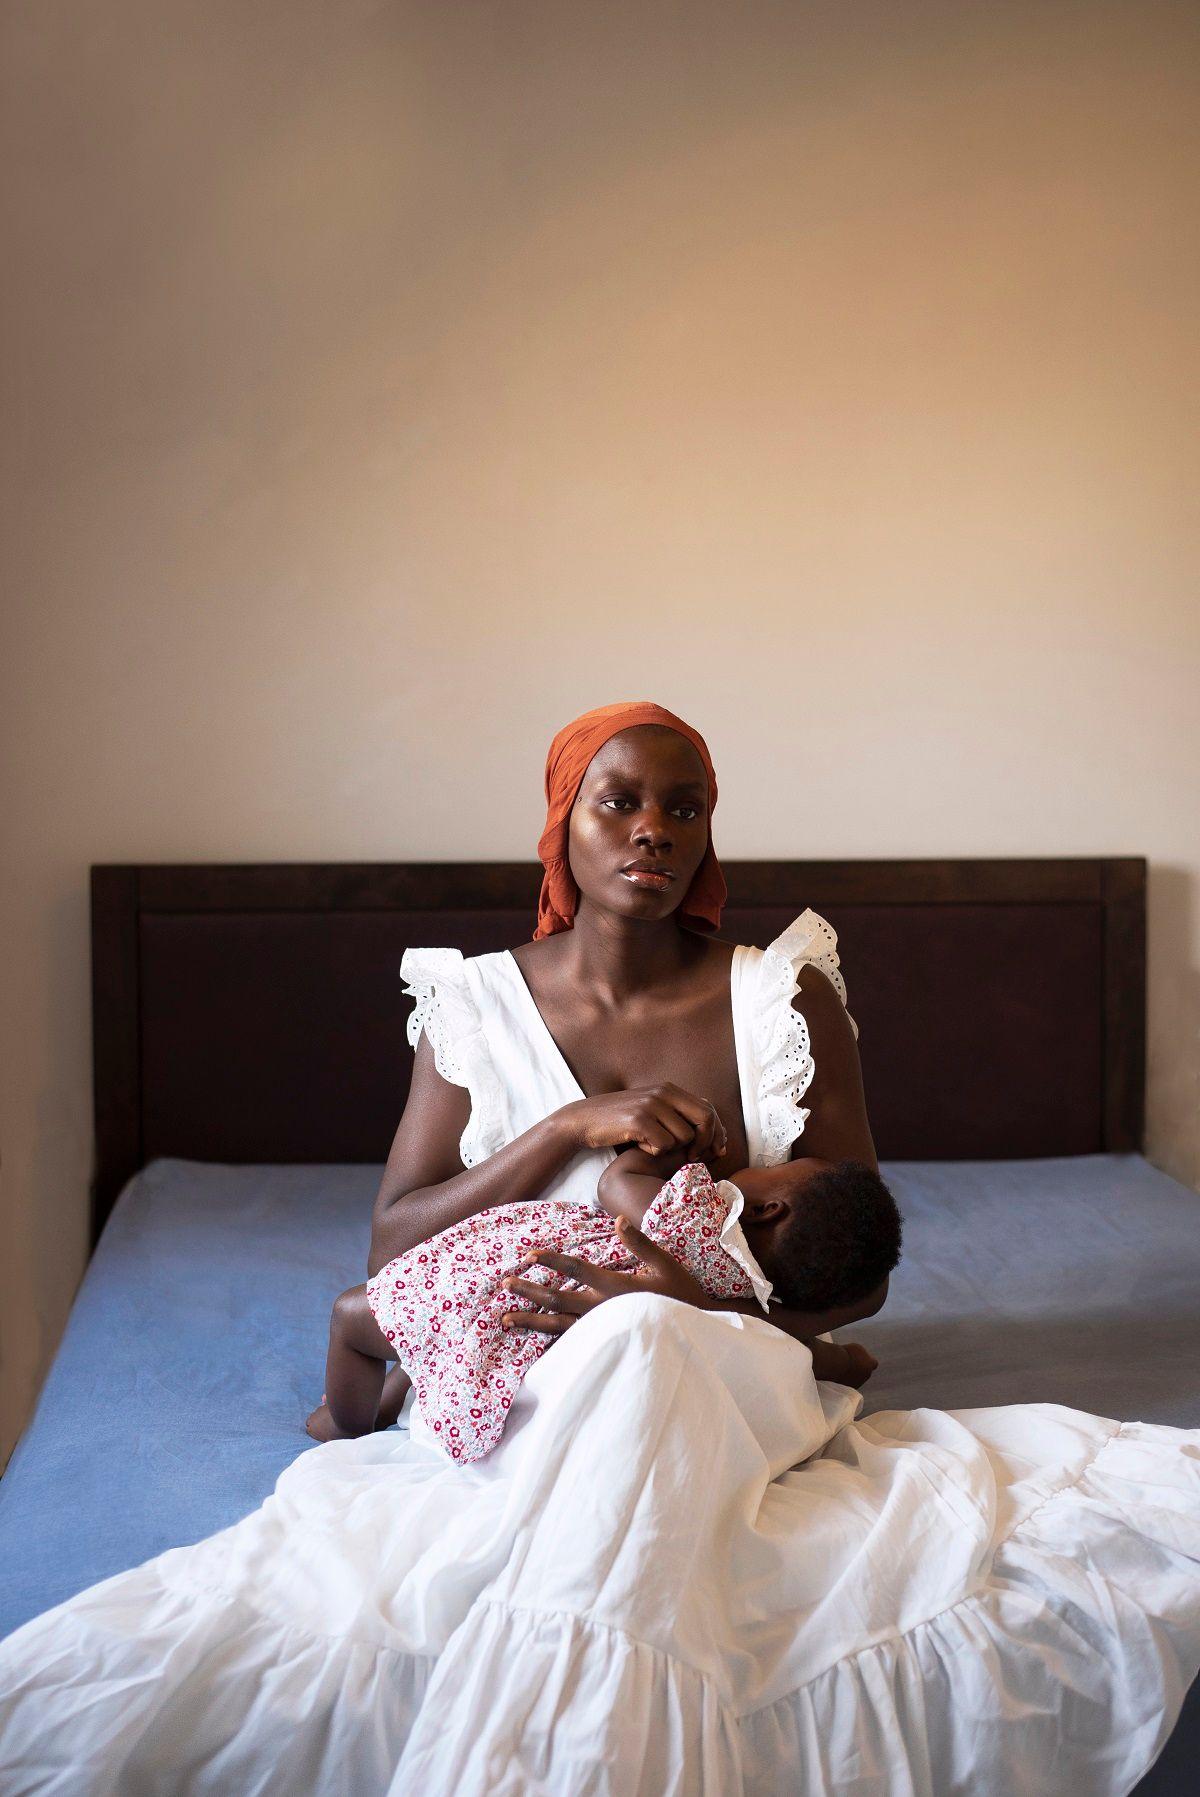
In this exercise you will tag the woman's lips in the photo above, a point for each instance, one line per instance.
(653, 879)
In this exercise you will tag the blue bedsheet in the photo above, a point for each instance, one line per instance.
(196, 1346)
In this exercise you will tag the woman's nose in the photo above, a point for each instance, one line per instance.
(651, 829)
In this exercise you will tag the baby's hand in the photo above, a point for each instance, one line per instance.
(845, 1363)
(859, 1364)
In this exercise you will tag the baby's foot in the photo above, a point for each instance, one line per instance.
(322, 1427)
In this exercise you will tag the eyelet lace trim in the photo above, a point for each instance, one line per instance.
(781, 1041)
(446, 1011)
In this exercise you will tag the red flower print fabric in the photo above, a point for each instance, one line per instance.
(441, 1305)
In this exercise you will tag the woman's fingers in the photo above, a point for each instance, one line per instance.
(694, 1120)
(709, 1142)
(667, 1128)
(711, 1139)
(648, 1252)
(657, 1118)
(659, 1273)
(596, 1279)
(546, 1322)
(655, 1135)
(549, 1297)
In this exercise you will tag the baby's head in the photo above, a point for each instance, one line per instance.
(826, 1234)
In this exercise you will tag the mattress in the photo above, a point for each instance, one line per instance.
(196, 1345)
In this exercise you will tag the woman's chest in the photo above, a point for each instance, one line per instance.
(689, 1041)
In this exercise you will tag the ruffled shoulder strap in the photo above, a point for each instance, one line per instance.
(779, 1033)
(448, 1010)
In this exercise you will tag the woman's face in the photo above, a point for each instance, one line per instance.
(639, 827)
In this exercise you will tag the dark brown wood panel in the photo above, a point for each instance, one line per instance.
(116, 1035)
(1124, 1004)
(255, 1013)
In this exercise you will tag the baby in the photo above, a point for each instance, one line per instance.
(814, 1241)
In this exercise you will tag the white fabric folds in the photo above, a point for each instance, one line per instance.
(779, 1046)
(686, 1569)
(733, 1240)
(447, 1011)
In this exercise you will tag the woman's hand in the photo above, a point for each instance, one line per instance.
(554, 1311)
(657, 1119)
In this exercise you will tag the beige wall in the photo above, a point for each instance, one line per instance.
(386, 383)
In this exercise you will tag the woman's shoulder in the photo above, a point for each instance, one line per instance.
(809, 933)
(452, 1010)
(791, 1004)
(450, 966)
(544, 950)
(458, 996)
(803, 955)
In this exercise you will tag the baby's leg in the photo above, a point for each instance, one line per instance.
(354, 1373)
(396, 1388)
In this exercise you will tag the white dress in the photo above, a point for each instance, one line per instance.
(685, 1569)
(489, 1036)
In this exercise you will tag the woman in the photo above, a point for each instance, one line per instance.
(685, 1567)
(637, 1007)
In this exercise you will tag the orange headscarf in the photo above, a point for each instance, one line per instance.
(566, 764)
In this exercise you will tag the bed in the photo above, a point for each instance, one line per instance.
(251, 1063)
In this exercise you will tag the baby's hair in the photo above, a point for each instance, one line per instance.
(841, 1241)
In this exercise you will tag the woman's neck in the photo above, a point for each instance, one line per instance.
(620, 957)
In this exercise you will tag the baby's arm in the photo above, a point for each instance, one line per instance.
(629, 1185)
(845, 1363)
(848, 1363)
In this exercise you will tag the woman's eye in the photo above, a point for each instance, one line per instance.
(617, 802)
(690, 810)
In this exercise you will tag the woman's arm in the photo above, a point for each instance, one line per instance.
(552, 1311)
(837, 1128)
(425, 1187)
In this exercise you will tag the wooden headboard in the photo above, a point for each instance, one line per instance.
(254, 1014)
